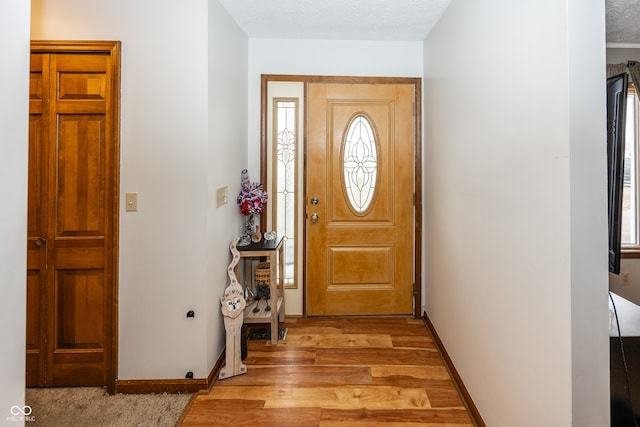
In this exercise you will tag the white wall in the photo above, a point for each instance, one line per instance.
(174, 250)
(589, 248)
(631, 291)
(321, 57)
(228, 49)
(14, 125)
(622, 55)
(508, 174)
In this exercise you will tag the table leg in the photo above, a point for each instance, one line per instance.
(274, 298)
(281, 281)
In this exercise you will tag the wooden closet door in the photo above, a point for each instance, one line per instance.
(73, 211)
(37, 222)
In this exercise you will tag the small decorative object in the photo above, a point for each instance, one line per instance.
(251, 201)
(262, 276)
(248, 295)
(269, 235)
(249, 226)
(233, 305)
(262, 273)
(256, 236)
(245, 240)
(263, 291)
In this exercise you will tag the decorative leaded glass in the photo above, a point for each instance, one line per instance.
(286, 113)
(360, 163)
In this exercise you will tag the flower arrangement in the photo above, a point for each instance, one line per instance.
(252, 197)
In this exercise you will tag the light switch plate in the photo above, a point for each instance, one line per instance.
(222, 196)
(131, 202)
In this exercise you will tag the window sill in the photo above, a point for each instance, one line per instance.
(630, 252)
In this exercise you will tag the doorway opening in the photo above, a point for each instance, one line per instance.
(288, 171)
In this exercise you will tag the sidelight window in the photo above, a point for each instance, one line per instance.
(285, 160)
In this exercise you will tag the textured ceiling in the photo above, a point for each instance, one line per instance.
(623, 21)
(404, 20)
(381, 19)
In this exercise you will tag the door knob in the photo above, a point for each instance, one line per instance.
(41, 241)
(314, 217)
(314, 201)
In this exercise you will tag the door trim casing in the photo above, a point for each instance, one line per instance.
(417, 102)
(113, 49)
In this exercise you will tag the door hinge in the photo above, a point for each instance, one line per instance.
(415, 290)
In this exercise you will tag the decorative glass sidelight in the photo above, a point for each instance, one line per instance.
(360, 163)
(286, 141)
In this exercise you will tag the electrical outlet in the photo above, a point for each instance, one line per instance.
(624, 279)
(222, 196)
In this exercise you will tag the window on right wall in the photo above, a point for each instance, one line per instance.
(630, 192)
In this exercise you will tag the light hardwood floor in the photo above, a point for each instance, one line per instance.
(337, 372)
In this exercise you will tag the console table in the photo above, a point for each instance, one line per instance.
(273, 251)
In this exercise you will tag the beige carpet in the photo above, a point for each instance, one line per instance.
(90, 406)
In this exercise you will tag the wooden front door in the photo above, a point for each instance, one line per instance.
(360, 199)
(73, 214)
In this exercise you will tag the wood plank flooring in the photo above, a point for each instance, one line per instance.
(337, 372)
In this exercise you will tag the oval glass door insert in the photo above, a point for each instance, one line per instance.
(360, 163)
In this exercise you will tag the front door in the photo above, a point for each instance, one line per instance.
(360, 199)
(72, 214)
